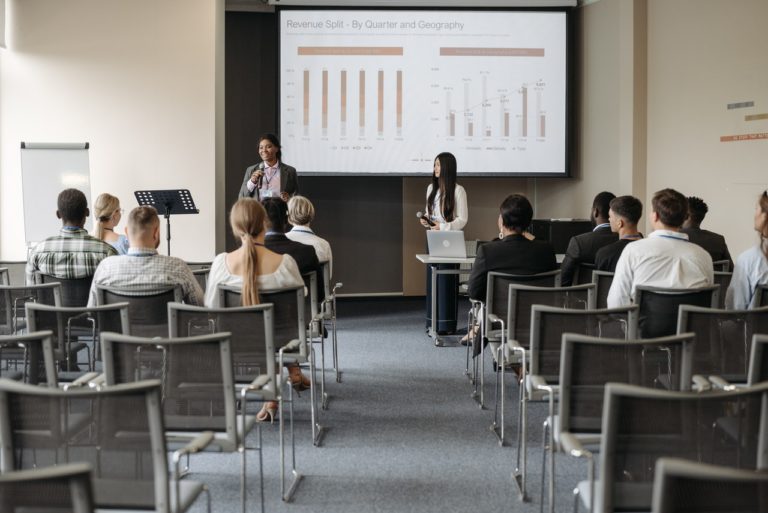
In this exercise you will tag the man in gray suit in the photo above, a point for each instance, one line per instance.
(271, 177)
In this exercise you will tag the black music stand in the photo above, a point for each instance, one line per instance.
(167, 202)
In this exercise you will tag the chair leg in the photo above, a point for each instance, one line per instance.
(543, 465)
(287, 496)
(317, 429)
(324, 395)
(522, 446)
(335, 344)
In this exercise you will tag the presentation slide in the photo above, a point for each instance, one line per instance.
(383, 92)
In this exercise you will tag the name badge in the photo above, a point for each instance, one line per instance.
(267, 193)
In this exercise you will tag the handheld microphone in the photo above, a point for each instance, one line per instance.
(261, 176)
(421, 215)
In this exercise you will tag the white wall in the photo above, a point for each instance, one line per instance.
(135, 78)
(703, 54)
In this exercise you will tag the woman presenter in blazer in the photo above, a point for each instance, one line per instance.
(446, 210)
(271, 177)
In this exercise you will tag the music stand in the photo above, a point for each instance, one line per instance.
(171, 201)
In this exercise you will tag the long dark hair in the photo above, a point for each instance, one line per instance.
(446, 184)
(274, 140)
(763, 202)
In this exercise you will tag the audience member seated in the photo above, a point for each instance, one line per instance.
(108, 215)
(583, 248)
(252, 267)
(623, 216)
(712, 242)
(751, 267)
(72, 254)
(275, 239)
(301, 212)
(142, 268)
(665, 258)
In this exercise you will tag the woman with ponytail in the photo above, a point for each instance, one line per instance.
(751, 267)
(108, 214)
(253, 267)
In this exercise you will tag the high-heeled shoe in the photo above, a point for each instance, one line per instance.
(298, 380)
(268, 411)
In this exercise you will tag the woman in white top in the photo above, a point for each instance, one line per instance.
(301, 212)
(446, 200)
(108, 214)
(751, 267)
(252, 266)
(446, 210)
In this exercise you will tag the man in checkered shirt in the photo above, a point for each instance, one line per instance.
(142, 268)
(72, 253)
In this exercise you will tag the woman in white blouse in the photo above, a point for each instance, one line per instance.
(301, 212)
(252, 266)
(446, 210)
(751, 267)
(446, 200)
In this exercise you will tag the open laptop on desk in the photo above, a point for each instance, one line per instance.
(446, 244)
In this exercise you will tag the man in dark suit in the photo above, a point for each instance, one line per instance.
(514, 253)
(275, 239)
(713, 243)
(583, 248)
(624, 214)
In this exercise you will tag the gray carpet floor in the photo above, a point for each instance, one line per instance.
(403, 433)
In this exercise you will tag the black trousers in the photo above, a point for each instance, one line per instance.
(447, 298)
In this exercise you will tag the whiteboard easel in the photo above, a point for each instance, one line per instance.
(46, 170)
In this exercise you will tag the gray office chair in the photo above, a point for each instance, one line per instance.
(761, 296)
(515, 340)
(586, 365)
(251, 340)
(684, 486)
(32, 358)
(5, 277)
(147, 310)
(16, 271)
(201, 275)
(723, 280)
(117, 430)
(659, 307)
(583, 273)
(59, 489)
(13, 316)
(602, 281)
(758, 360)
(723, 340)
(641, 425)
(74, 292)
(721, 266)
(328, 313)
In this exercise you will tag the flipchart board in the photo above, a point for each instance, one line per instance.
(46, 170)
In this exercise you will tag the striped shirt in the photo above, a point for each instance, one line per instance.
(143, 269)
(70, 255)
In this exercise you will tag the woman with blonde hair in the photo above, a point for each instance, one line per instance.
(751, 267)
(301, 212)
(252, 267)
(108, 214)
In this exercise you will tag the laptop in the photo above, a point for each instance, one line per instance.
(446, 244)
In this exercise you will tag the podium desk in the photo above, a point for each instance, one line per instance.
(430, 260)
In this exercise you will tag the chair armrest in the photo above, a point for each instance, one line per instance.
(83, 380)
(700, 383)
(291, 346)
(719, 383)
(573, 446)
(98, 381)
(493, 318)
(539, 383)
(256, 384)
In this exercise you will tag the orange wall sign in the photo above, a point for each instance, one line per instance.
(743, 137)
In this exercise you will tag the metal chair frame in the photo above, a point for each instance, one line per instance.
(643, 290)
(600, 278)
(23, 342)
(12, 322)
(131, 295)
(77, 475)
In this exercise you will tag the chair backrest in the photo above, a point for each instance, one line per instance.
(199, 265)
(16, 271)
(721, 266)
(74, 292)
(761, 296)
(251, 337)
(723, 339)
(549, 323)
(201, 275)
(60, 320)
(34, 353)
(312, 299)
(13, 298)
(758, 360)
(723, 280)
(289, 320)
(583, 273)
(602, 281)
(5, 277)
(683, 486)
(659, 307)
(147, 310)
(471, 247)
(117, 430)
(641, 425)
(497, 291)
(588, 363)
(59, 489)
(198, 390)
(522, 297)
